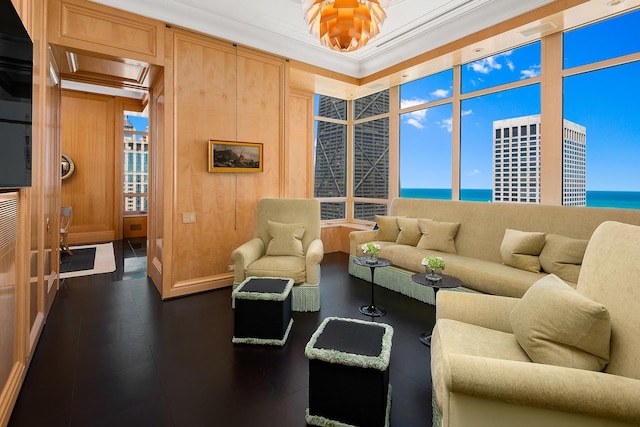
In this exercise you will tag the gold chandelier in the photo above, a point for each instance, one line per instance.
(345, 25)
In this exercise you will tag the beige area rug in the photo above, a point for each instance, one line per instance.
(104, 261)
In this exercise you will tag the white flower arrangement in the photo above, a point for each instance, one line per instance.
(371, 249)
(433, 262)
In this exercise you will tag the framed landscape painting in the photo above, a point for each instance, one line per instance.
(227, 156)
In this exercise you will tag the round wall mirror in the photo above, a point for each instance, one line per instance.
(68, 167)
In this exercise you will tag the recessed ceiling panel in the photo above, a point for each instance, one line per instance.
(412, 27)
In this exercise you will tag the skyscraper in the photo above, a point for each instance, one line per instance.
(516, 161)
(330, 178)
(370, 155)
(574, 164)
(136, 169)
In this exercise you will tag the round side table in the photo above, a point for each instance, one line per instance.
(447, 282)
(371, 309)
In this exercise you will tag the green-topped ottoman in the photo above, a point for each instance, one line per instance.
(349, 373)
(262, 311)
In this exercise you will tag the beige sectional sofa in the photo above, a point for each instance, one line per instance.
(555, 357)
(478, 260)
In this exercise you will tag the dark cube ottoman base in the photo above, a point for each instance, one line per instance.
(262, 313)
(349, 373)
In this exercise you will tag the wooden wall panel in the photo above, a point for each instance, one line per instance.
(92, 27)
(335, 237)
(228, 93)
(160, 185)
(298, 166)
(10, 354)
(260, 119)
(88, 138)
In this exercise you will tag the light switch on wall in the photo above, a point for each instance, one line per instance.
(188, 217)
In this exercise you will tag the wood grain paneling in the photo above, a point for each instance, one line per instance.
(95, 28)
(8, 283)
(88, 138)
(227, 93)
(298, 162)
(160, 185)
(335, 237)
(134, 226)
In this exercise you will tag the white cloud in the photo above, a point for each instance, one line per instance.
(446, 124)
(533, 71)
(440, 93)
(490, 63)
(414, 122)
(484, 66)
(414, 118)
(474, 172)
(466, 112)
(406, 103)
(510, 64)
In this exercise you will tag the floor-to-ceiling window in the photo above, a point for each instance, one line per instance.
(369, 171)
(602, 93)
(425, 137)
(499, 127)
(475, 131)
(371, 155)
(330, 162)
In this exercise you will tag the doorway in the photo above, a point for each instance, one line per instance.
(135, 168)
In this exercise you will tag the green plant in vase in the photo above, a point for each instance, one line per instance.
(371, 250)
(434, 266)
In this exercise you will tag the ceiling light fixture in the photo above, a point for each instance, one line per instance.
(345, 25)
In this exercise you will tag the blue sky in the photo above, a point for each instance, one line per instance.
(606, 102)
(139, 123)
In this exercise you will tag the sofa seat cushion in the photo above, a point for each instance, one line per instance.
(491, 277)
(483, 276)
(454, 337)
(292, 267)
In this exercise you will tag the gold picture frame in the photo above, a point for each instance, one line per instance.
(228, 156)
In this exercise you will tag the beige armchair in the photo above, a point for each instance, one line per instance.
(287, 244)
(483, 375)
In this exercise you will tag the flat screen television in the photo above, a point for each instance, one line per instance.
(16, 77)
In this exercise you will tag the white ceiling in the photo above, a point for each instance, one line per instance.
(277, 26)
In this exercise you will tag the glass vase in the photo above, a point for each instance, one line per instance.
(434, 275)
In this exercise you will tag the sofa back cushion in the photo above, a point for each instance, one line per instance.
(388, 228)
(610, 274)
(483, 224)
(438, 235)
(520, 249)
(556, 325)
(288, 211)
(409, 231)
(562, 256)
(286, 239)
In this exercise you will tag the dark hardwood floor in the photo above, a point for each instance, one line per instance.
(114, 354)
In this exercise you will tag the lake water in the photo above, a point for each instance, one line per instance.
(600, 199)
